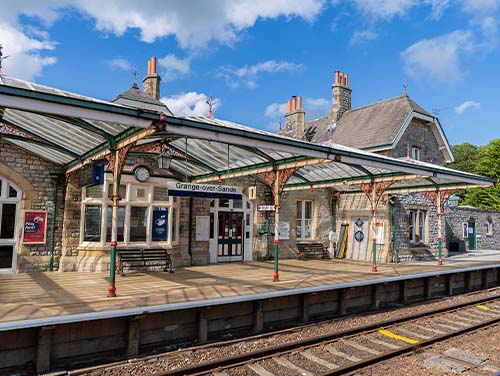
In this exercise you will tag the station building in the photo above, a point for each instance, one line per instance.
(211, 191)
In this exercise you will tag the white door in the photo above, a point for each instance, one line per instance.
(360, 226)
(10, 196)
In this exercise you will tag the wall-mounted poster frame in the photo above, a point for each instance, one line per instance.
(35, 227)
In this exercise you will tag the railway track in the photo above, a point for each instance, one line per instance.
(340, 353)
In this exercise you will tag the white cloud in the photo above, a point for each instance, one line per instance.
(467, 104)
(249, 74)
(438, 58)
(27, 55)
(190, 104)
(173, 67)
(275, 110)
(481, 6)
(385, 9)
(360, 36)
(193, 23)
(120, 63)
(389, 9)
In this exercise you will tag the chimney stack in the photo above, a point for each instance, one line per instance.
(294, 119)
(341, 96)
(152, 80)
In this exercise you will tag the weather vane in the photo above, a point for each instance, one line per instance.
(2, 58)
(210, 106)
(135, 77)
(405, 88)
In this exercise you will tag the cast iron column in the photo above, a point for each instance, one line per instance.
(276, 276)
(114, 225)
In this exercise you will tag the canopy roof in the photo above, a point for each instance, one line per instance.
(71, 130)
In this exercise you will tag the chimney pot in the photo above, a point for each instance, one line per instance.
(336, 77)
(153, 65)
(346, 79)
(294, 103)
(149, 66)
(299, 102)
(289, 105)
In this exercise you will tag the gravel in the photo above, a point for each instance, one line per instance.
(222, 350)
(485, 343)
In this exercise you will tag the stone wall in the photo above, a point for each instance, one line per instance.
(419, 134)
(454, 228)
(33, 175)
(341, 102)
(402, 205)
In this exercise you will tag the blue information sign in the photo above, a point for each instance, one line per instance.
(160, 224)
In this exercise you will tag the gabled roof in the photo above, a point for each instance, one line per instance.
(369, 126)
(134, 97)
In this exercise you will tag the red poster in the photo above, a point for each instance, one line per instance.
(35, 227)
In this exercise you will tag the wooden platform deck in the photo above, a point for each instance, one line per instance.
(36, 296)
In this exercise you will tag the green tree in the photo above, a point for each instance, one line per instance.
(467, 156)
(483, 160)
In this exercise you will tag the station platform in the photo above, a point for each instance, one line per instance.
(51, 298)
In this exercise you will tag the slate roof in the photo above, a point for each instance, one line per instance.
(372, 125)
(134, 97)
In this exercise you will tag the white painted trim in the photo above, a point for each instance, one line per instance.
(37, 105)
(16, 241)
(436, 129)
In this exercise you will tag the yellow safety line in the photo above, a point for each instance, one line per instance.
(395, 336)
(483, 307)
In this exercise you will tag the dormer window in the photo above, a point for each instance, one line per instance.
(415, 153)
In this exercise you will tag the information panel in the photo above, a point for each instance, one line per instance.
(35, 227)
(202, 228)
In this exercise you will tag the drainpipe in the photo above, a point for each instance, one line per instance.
(190, 242)
(56, 177)
(393, 231)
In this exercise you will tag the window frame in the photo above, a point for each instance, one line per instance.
(488, 228)
(128, 201)
(417, 226)
(465, 230)
(302, 220)
(416, 153)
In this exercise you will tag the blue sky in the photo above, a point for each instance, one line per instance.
(252, 56)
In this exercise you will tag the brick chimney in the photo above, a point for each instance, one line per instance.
(294, 119)
(341, 96)
(151, 82)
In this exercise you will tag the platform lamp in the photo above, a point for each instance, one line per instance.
(452, 203)
(164, 159)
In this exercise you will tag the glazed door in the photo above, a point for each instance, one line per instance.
(9, 216)
(230, 236)
(472, 235)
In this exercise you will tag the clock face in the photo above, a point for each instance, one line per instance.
(141, 173)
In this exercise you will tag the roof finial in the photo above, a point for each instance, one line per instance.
(405, 88)
(210, 106)
(2, 58)
(134, 72)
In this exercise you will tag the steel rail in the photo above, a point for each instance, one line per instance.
(242, 359)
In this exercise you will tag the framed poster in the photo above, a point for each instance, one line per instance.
(160, 225)
(202, 228)
(35, 227)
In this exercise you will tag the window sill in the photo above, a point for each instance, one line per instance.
(106, 247)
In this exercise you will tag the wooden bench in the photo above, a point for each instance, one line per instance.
(142, 258)
(312, 250)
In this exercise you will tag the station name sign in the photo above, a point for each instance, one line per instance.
(204, 190)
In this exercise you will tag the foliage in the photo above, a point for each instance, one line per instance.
(482, 160)
(467, 157)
